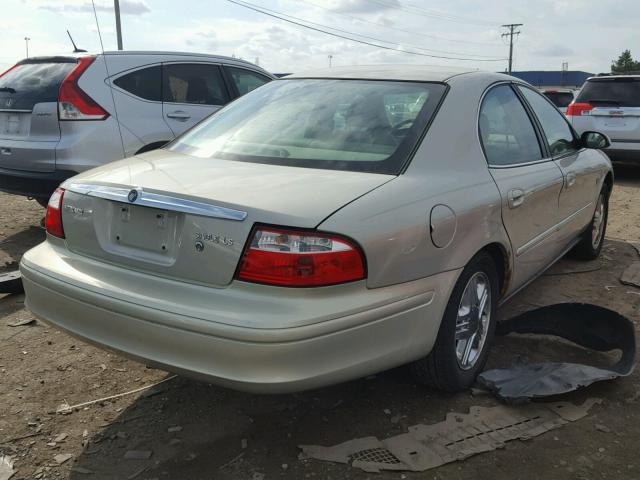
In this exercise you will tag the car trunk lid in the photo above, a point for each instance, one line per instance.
(189, 218)
(28, 113)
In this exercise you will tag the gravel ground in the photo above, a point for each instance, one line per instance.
(191, 430)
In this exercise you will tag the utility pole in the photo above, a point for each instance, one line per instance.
(26, 43)
(116, 7)
(512, 31)
(330, 57)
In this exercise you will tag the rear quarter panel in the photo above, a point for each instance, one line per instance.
(392, 223)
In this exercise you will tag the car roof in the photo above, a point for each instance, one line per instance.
(220, 58)
(605, 77)
(420, 73)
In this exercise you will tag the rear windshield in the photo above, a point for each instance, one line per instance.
(560, 99)
(30, 83)
(357, 125)
(611, 92)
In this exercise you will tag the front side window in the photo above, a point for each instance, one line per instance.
(144, 83)
(246, 80)
(358, 125)
(196, 83)
(507, 134)
(556, 129)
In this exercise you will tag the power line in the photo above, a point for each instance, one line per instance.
(384, 47)
(434, 14)
(370, 22)
(512, 31)
(492, 57)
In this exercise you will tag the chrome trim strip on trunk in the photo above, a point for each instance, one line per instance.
(156, 200)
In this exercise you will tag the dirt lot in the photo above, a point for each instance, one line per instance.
(40, 368)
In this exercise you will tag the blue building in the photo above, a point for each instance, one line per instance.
(554, 79)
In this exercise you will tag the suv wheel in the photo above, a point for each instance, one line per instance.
(466, 332)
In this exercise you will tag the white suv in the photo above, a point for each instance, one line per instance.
(611, 105)
(59, 116)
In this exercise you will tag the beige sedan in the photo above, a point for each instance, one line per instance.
(324, 227)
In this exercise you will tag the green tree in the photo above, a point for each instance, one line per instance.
(625, 63)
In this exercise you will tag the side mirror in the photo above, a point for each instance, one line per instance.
(595, 140)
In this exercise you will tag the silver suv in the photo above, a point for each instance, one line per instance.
(611, 105)
(59, 116)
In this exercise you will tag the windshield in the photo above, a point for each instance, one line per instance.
(29, 83)
(611, 92)
(356, 125)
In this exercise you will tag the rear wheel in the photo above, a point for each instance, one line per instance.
(466, 332)
(592, 239)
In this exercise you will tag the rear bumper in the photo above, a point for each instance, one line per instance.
(32, 184)
(252, 338)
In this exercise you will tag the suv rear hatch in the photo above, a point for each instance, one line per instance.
(610, 105)
(29, 128)
(183, 200)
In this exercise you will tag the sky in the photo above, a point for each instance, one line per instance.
(588, 34)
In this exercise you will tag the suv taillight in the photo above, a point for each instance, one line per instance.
(73, 102)
(298, 258)
(577, 109)
(53, 218)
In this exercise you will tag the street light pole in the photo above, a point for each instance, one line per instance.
(116, 7)
(26, 43)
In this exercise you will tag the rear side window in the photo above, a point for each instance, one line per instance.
(196, 83)
(29, 83)
(507, 134)
(144, 83)
(556, 129)
(611, 92)
(246, 80)
(560, 99)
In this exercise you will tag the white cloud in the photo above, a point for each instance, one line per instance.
(127, 7)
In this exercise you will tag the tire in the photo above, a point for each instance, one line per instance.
(442, 368)
(590, 244)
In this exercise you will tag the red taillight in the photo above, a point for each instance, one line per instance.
(73, 102)
(53, 218)
(292, 258)
(577, 109)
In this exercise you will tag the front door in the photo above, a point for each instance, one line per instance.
(580, 167)
(529, 183)
(191, 92)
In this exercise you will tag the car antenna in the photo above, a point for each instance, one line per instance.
(75, 48)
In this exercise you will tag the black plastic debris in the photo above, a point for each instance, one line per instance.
(11, 282)
(588, 326)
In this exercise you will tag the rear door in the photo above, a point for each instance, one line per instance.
(616, 108)
(580, 167)
(191, 92)
(529, 183)
(29, 129)
(138, 97)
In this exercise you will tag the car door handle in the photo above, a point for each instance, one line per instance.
(515, 197)
(179, 115)
(571, 179)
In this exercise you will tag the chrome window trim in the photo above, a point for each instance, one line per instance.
(156, 200)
